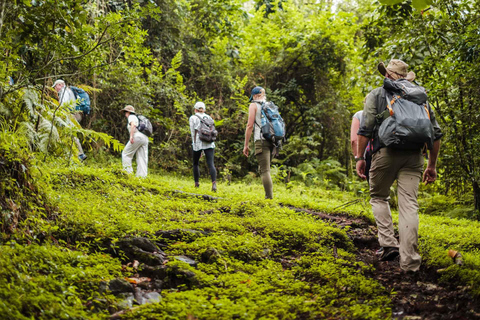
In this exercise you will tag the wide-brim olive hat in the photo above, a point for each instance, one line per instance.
(398, 67)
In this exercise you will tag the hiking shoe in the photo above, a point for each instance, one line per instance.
(379, 252)
(82, 157)
(389, 254)
(214, 186)
(197, 184)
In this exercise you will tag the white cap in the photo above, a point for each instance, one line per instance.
(57, 82)
(200, 105)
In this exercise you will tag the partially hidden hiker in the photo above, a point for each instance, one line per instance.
(401, 122)
(203, 133)
(137, 144)
(67, 96)
(356, 120)
(268, 132)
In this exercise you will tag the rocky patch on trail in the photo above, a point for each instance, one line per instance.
(415, 297)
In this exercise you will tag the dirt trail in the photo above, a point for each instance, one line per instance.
(418, 296)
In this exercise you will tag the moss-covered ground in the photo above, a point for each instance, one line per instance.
(253, 258)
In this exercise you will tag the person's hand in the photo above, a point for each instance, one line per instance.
(430, 175)
(131, 140)
(246, 151)
(361, 165)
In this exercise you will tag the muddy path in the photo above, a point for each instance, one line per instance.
(418, 296)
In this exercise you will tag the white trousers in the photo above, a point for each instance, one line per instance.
(140, 147)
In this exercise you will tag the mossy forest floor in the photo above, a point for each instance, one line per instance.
(118, 247)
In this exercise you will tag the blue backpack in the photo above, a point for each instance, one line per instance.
(272, 126)
(83, 99)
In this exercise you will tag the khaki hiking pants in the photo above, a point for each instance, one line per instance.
(263, 151)
(406, 167)
(139, 147)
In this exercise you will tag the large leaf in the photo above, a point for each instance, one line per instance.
(421, 4)
(417, 4)
(390, 2)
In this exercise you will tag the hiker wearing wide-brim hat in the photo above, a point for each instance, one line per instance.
(138, 144)
(395, 70)
(403, 162)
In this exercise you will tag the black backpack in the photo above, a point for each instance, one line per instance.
(405, 124)
(207, 132)
(144, 125)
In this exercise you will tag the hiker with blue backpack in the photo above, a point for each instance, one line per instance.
(79, 104)
(399, 122)
(139, 129)
(268, 129)
(202, 129)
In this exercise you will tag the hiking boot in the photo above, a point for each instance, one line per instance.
(197, 184)
(389, 254)
(214, 186)
(379, 252)
(82, 157)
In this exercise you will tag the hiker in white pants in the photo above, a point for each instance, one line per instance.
(138, 144)
(66, 95)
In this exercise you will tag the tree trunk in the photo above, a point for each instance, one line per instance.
(476, 194)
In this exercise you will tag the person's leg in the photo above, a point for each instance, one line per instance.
(408, 180)
(81, 154)
(263, 153)
(127, 155)
(209, 154)
(79, 146)
(142, 155)
(196, 169)
(382, 176)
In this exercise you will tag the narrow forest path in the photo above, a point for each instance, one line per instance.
(419, 296)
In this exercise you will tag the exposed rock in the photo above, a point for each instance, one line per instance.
(127, 303)
(155, 272)
(210, 255)
(186, 259)
(120, 286)
(143, 250)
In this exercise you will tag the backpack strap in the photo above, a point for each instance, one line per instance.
(388, 112)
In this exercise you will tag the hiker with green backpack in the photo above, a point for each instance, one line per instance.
(399, 121)
(268, 129)
(202, 129)
(139, 129)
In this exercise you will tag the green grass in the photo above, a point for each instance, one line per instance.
(271, 262)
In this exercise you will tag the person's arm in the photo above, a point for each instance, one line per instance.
(252, 111)
(430, 174)
(353, 135)
(133, 127)
(361, 164)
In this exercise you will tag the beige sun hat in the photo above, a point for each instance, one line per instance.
(128, 108)
(398, 67)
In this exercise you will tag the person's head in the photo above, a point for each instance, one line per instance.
(258, 94)
(58, 85)
(128, 110)
(199, 107)
(395, 70)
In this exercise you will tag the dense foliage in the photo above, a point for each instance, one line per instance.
(64, 225)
